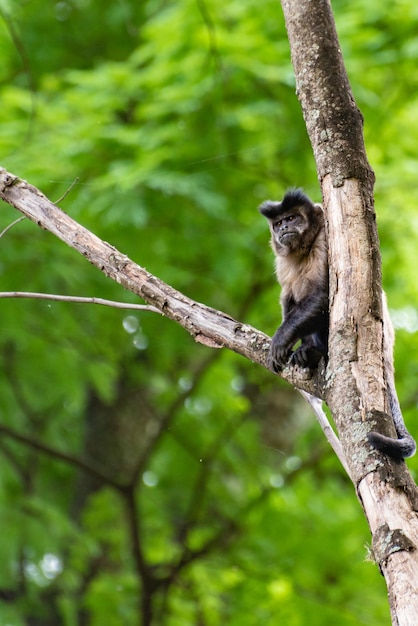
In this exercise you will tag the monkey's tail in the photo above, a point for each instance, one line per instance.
(405, 445)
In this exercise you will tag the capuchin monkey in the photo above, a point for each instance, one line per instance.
(298, 239)
(299, 243)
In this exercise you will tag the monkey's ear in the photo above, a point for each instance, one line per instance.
(270, 209)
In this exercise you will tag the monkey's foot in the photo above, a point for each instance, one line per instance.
(306, 357)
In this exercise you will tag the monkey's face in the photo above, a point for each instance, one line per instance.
(292, 231)
(294, 223)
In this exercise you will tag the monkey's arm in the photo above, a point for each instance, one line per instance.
(307, 317)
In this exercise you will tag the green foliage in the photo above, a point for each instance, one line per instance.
(210, 492)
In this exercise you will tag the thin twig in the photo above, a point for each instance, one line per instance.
(19, 219)
(332, 438)
(79, 300)
(65, 194)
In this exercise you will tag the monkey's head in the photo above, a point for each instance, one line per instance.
(294, 223)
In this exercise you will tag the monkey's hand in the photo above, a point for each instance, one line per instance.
(279, 353)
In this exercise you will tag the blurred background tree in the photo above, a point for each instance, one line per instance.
(147, 480)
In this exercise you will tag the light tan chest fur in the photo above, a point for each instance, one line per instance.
(298, 275)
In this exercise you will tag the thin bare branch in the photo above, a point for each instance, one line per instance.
(19, 219)
(328, 431)
(67, 191)
(79, 300)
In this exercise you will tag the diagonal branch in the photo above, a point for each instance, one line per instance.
(207, 325)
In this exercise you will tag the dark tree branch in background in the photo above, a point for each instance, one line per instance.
(59, 456)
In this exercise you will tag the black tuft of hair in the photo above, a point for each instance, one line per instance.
(293, 197)
(270, 209)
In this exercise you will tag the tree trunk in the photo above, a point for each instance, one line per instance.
(355, 384)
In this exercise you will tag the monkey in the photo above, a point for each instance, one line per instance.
(300, 246)
(299, 243)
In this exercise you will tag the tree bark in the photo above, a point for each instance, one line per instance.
(355, 379)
